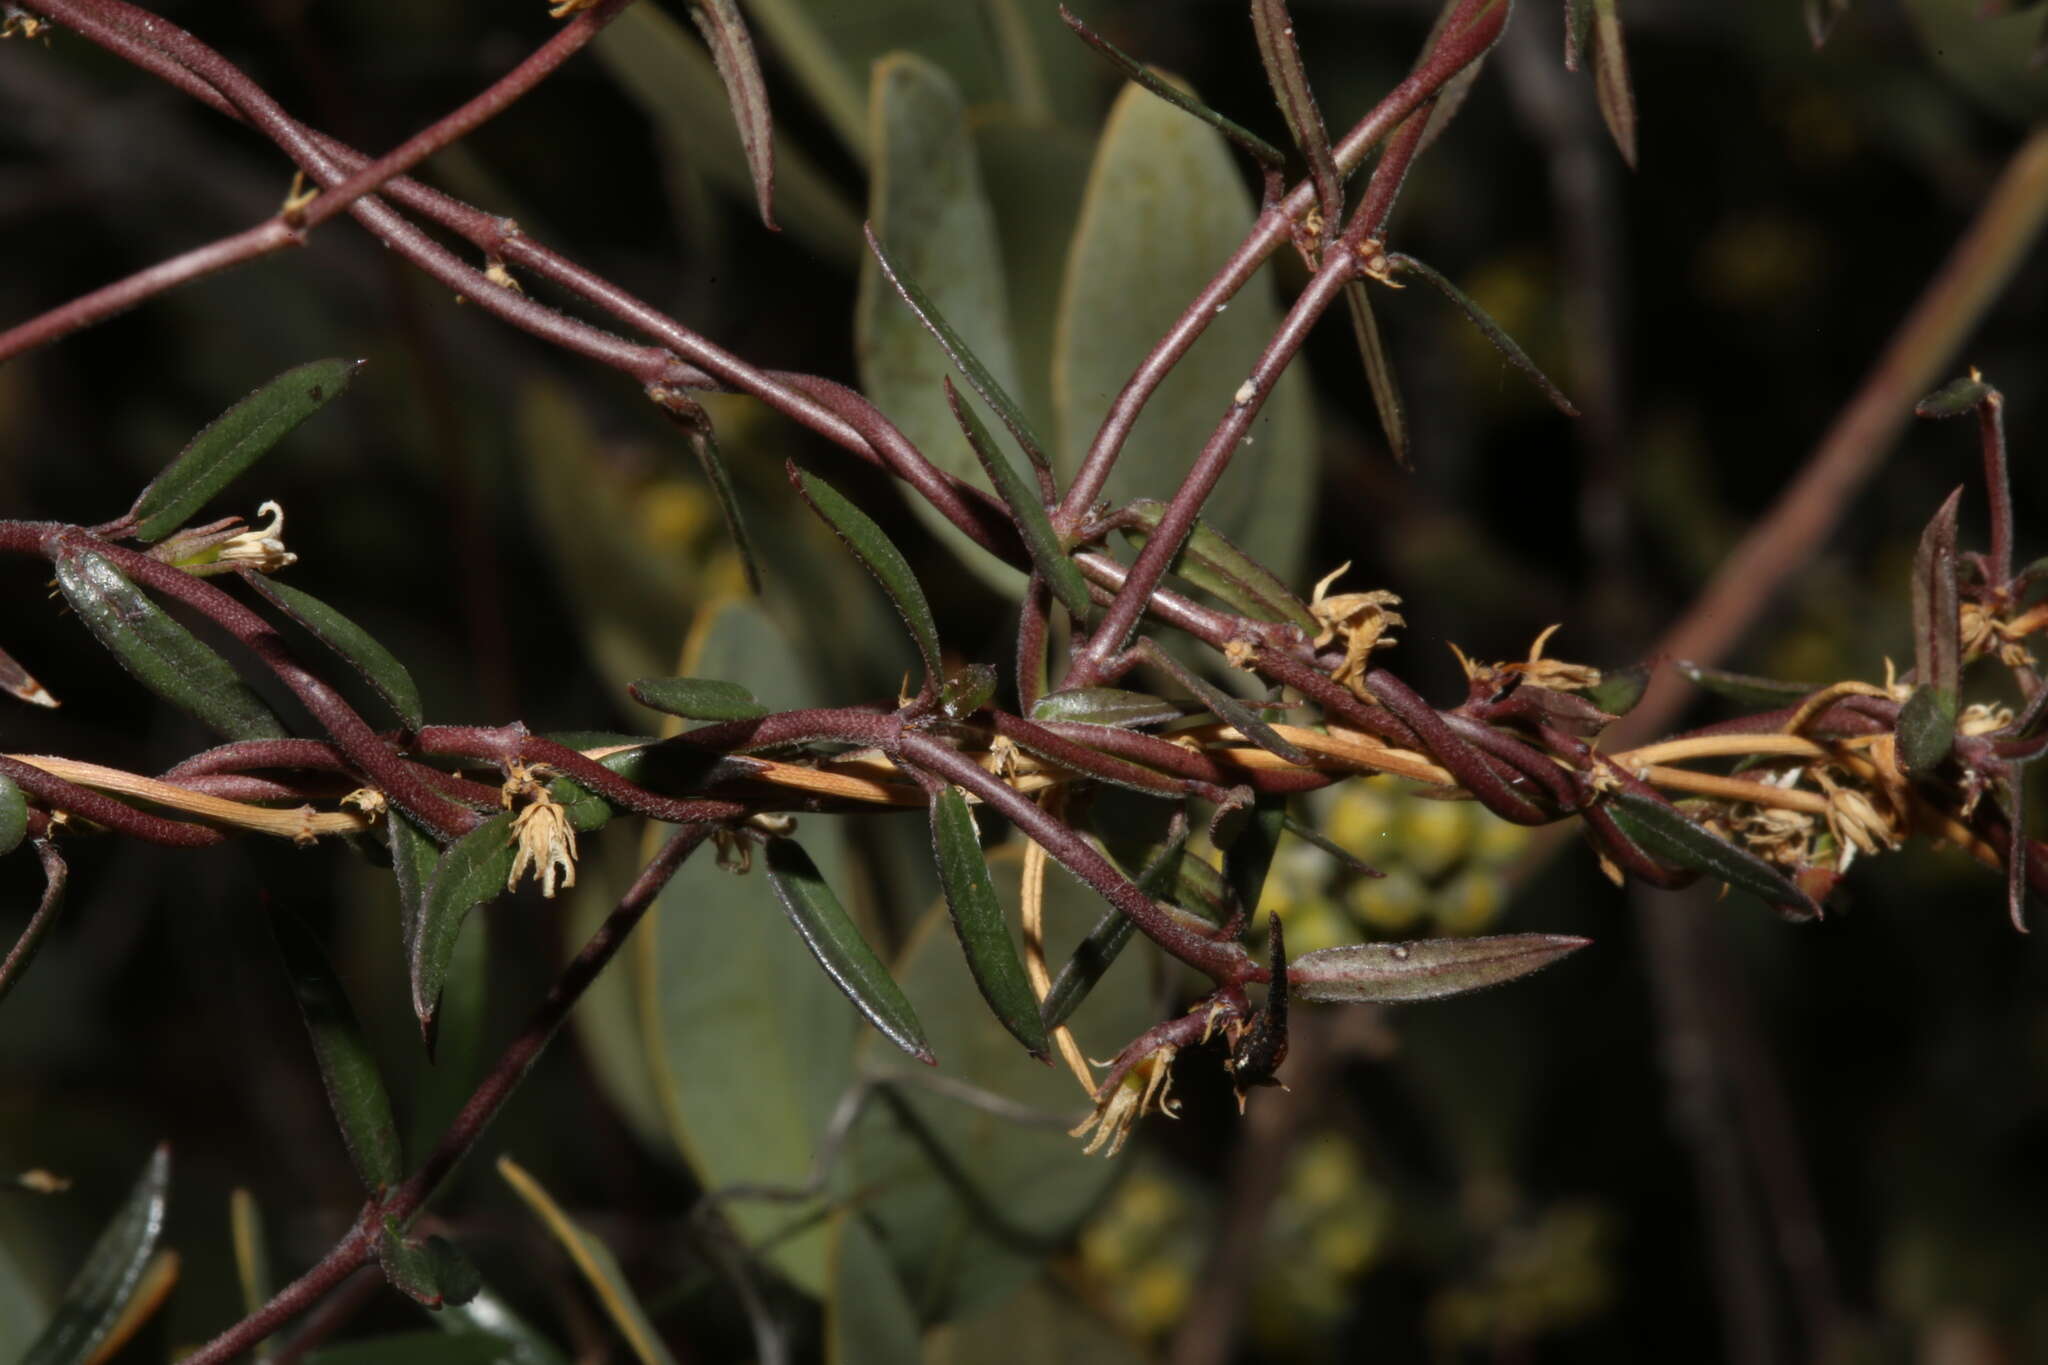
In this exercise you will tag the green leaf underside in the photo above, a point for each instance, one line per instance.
(98, 1293)
(13, 816)
(1391, 973)
(1098, 952)
(433, 1273)
(348, 1071)
(1209, 561)
(833, 938)
(594, 1259)
(161, 654)
(882, 559)
(379, 667)
(1926, 729)
(698, 698)
(978, 919)
(470, 873)
(1048, 556)
(1106, 706)
(235, 440)
(1665, 834)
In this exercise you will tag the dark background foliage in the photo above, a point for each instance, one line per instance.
(1712, 1134)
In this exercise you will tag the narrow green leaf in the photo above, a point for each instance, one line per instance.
(831, 935)
(594, 1259)
(355, 1088)
(978, 919)
(162, 655)
(697, 698)
(881, 558)
(1578, 20)
(586, 810)
(1926, 729)
(1953, 399)
(967, 691)
(1391, 973)
(962, 355)
(1379, 373)
(1273, 26)
(1210, 562)
(1260, 150)
(1619, 689)
(1105, 706)
(113, 1269)
(235, 440)
(413, 858)
(1505, 344)
(688, 414)
(1665, 834)
(1743, 687)
(732, 50)
(1097, 952)
(470, 873)
(1310, 835)
(1937, 612)
(13, 815)
(1232, 711)
(379, 667)
(1027, 509)
(433, 1272)
(1611, 86)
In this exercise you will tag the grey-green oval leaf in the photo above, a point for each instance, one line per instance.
(235, 440)
(978, 919)
(875, 550)
(1389, 973)
(1105, 706)
(472, 871)
(697, 698)
(355, 1088)
(164, 656)
(829, 932)
(93, 1301)
(1665, 834)
(379, 666)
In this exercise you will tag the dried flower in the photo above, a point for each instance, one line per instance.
(545, 838)
(1148, 1084)
(1361, 620)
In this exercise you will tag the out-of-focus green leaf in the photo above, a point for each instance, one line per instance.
(162, 655)
(1491, 330)
(748, 1045)
(966, 1201)
(1210, 562)
(698, 698)
(1027, 509)
(1105, 706)
(433, 1272)
(595, 1260)
(471, 872)
(413, 1348)
(488, 1318)
(1260, 150)
(113, 1269)
(379, 667)
(833, 938)
(1619, 689)
(355, 1087)
(869, 1318)
(1041, 1322)
(1937, 612)
(880, 556)
(1611, 85)
(926, 202)
(978, 920)
(1379, 372)
(967, 691)
(1926, 729)
(1164, 204)
(1665, 834)
(1994, 57)
(252, 1249)
(1106, 940)
(1248, 850)
(682, 94)
(13, 815)
(1743, 688)
(1385, 973)
(235, 440)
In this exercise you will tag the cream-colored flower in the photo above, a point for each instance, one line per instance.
(1361, 620)
(260, 547)
(1147, 1085)
(545, 838)
(1985, 632)
(368, 800)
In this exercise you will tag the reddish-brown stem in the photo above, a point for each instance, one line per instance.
(1998, 484)
(1390, 174)
(357, 1248)
(55, 874)
(56, 793)
(513, 744)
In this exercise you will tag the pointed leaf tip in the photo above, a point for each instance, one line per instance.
(1389, 973)
(833, 938)
(873, 548)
